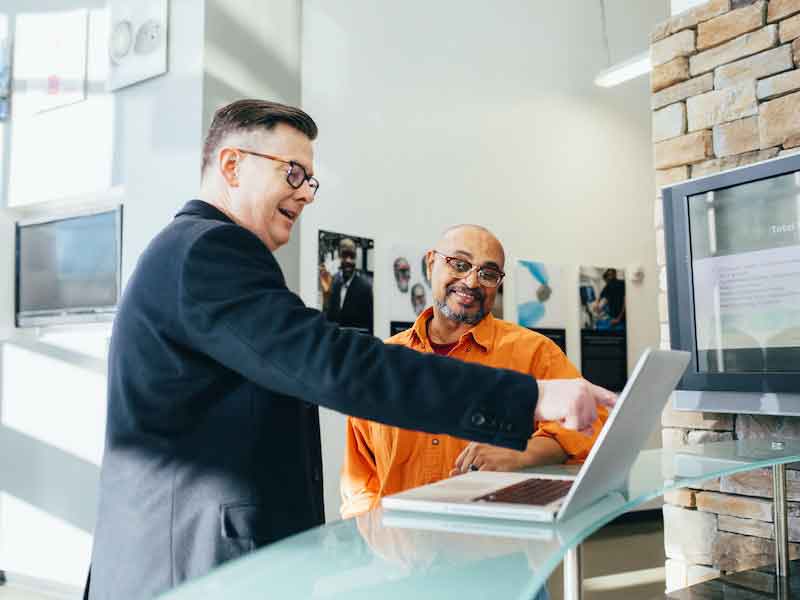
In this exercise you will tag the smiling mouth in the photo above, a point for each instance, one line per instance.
(292, 216)
(464, 296)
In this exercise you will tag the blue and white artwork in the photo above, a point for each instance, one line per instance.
(540, 295)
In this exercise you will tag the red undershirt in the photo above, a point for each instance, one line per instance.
(443, 349)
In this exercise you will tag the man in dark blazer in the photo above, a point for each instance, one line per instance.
(350, 301)
(216, 370)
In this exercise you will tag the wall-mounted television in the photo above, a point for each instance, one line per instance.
(733, 279)
(68, 268)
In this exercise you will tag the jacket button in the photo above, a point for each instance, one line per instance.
(435, 442)
(478, 419)
(509, 427)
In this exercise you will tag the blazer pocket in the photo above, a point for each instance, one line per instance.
(243, 521)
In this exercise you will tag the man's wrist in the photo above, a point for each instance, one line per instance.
(539, 397)
(543, 450)
(527, 459)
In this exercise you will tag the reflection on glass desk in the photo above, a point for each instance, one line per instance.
(755, 584)
(404, 555)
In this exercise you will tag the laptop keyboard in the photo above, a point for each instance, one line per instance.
(537, 492)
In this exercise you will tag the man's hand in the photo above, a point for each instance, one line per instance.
(325, 280)
(483, 457)
(571, 402)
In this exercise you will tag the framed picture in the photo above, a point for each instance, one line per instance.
(601, 294)
(5, 66)
(50, 59)
(345, 280)
(602, 298)
(410, 291)
(5, 69)
(540, 295)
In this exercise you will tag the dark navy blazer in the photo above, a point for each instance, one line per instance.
(215, 372)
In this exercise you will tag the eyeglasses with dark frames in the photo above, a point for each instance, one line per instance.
(487, 276)
(296, 173)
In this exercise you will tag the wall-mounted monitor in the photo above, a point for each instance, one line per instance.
(68, 268)
(733, 278)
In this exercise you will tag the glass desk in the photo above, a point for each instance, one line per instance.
(388, 555)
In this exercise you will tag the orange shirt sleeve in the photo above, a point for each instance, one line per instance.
(577, 445)
(551, 363)
(359, 485)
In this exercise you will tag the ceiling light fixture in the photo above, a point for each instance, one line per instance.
(624, 71)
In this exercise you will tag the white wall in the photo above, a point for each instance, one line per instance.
(435, 113)
(52, 386)
(260, 60)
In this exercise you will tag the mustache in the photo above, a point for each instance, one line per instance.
(476, 293)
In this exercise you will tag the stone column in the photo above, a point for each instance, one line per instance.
(726, 93)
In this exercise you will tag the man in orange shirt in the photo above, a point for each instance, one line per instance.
(465, 270)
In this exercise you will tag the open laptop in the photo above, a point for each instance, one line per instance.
(528, 497)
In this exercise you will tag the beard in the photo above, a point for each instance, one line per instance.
(460, 316)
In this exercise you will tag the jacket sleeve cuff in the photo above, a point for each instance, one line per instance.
(506, 421)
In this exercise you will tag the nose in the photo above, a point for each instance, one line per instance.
(306, 193)
(472, 279)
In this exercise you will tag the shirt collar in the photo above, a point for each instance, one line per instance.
(482, 333)
(420, 328)
(200, 208)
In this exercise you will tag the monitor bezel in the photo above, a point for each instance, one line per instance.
(72, 315)
(680, 288)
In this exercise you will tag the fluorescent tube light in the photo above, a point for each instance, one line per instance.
(624, 71)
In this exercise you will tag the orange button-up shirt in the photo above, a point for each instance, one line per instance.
(381, 460)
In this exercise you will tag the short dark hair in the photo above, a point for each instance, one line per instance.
(347, 245)
(249, 114)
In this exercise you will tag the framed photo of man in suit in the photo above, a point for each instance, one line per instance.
(345, 280)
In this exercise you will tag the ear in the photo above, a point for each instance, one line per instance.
(229, 166)
(429, 258)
